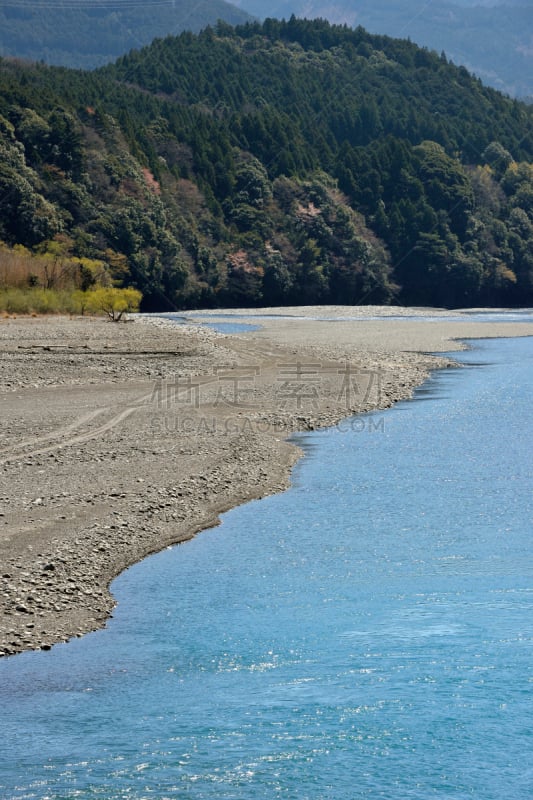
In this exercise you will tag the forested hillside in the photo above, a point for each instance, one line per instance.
(492, 38)
(289, 162)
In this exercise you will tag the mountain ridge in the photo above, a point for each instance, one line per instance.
(89, 33)
(494, 40)
(284, 163)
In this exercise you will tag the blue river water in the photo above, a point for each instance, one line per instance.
(227, 323)
(233, 322)
(366, 634)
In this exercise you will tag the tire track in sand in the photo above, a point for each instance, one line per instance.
(80, 438)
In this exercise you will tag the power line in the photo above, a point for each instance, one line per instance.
(81, 5)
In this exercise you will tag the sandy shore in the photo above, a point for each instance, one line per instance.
(119, 440)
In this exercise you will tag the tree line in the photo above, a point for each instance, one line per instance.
(284, 162)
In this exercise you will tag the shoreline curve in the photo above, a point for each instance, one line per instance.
(120, 440)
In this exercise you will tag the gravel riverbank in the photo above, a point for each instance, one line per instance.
(118, 440)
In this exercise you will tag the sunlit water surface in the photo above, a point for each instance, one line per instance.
(367, 634)
(235, 322)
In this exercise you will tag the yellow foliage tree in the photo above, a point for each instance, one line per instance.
(113, 302)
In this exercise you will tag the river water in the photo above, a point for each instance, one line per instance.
(366, 634)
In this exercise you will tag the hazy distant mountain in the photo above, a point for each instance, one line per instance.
(492, 38)
(90, 33)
